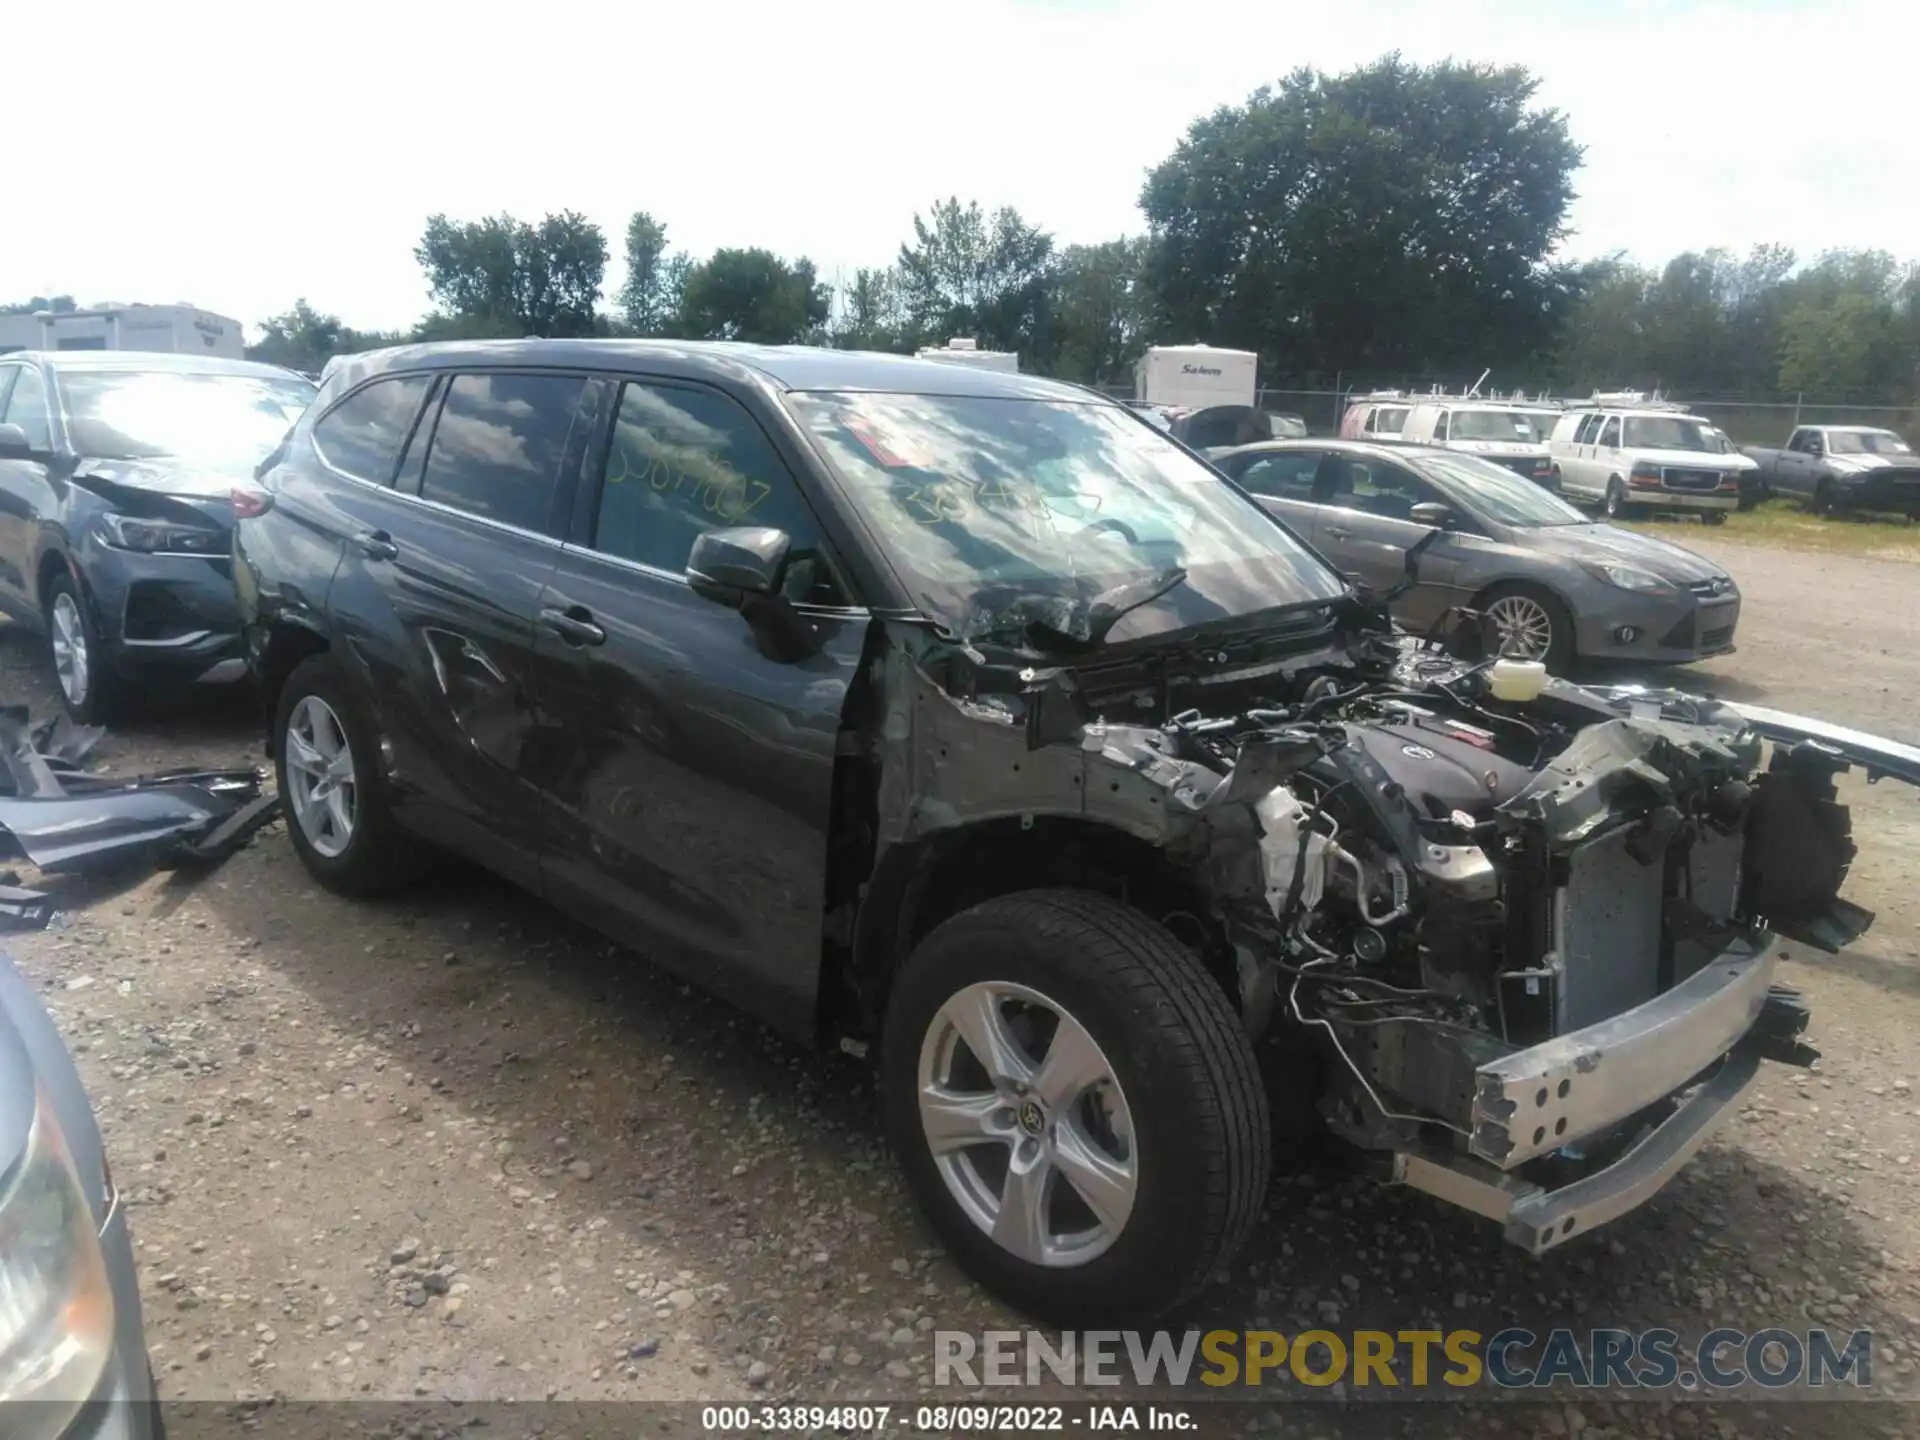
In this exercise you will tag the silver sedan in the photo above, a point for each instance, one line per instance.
(1553, 584)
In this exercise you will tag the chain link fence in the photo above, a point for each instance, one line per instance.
(1749, 422)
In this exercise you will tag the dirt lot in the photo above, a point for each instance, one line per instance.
(455, 1146)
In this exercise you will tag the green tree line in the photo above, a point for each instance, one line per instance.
(1393, 224)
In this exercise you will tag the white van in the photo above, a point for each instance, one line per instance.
(1502, 433)
(1635, 453)
(1378, 416)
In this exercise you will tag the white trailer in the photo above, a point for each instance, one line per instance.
(177, 329)
(1196, 377)
(968, 352)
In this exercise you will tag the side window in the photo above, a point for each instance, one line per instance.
(27, 408)
(499, 444)
(1374, 488)
(362, 436)
(1373, 417)
(1287, 476)
(1610, 433)
(1589, 427)
(685, 461)
(1440, 425)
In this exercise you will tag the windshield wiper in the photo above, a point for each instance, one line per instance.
(1055, 622)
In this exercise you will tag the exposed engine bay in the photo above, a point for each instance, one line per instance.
(1533, 941)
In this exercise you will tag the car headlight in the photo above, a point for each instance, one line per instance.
(1631, 577)
(56, 1303)
(161, 537)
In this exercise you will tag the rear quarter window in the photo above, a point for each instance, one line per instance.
(364, 434)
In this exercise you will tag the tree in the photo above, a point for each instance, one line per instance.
(1101, 311)
(646, 305)
(968, 273)
(752, 295)
(59, 304)
(1393, 218)
(305, 339)
(870, 315)
(508, 277)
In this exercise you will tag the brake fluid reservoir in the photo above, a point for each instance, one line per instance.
(1517, 679)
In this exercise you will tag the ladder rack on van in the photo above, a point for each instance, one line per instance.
(1636, 400)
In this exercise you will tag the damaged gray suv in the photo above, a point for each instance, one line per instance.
(969, 717)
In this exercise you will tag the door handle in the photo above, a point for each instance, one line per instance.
(574, 625)
(377, 545)
(1339, 532)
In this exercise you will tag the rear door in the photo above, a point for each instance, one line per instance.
(436, 596)
(689, 776)
(1800, 462)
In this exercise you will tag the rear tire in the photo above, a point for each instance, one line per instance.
(1715, 517)
(1615, 504)
(1184, 1107)
(342, 829)
(77, 656)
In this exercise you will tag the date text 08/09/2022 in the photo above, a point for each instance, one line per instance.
(942, 1419)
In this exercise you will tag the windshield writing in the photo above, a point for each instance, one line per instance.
(1668, 432)
(1867, 442)
(1509, 425)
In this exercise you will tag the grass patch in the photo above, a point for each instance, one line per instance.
(1787, 525)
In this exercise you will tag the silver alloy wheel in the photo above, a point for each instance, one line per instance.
(1027, 1124)
(1523, 625)
(324, 790)
(72, 662)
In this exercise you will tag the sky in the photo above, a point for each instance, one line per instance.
(238, 156)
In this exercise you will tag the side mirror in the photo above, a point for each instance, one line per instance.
(1432, 512)
(14, 444)
(727, 566)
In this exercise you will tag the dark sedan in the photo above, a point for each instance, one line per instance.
(116, 475)
(1554, 585)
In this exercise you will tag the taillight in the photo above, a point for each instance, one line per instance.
(249, 503)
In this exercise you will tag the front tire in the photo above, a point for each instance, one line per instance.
(1529, 623)
(93, 694)
(338, 815)
(1076, 1106)
(1823, 502)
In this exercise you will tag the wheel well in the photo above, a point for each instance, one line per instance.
(287, 645)
(917, 887)
(52, 565)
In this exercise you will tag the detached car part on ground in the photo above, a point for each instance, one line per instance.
(62, 819)
(1135, 839)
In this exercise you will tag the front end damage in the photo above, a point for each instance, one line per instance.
(1534, 945)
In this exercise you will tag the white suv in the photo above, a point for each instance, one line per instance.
(1628, 456)
(1504, 434)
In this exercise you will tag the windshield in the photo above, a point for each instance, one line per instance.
(1495, 493)
(1867, 442)
(1508, 425)
(144, 415)
(1669, 432)
(997, 512)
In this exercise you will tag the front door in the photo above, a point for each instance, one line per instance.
(689, 776)
(27, 496)
(1366, 527)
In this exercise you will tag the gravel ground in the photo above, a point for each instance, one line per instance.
(455, 1146)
